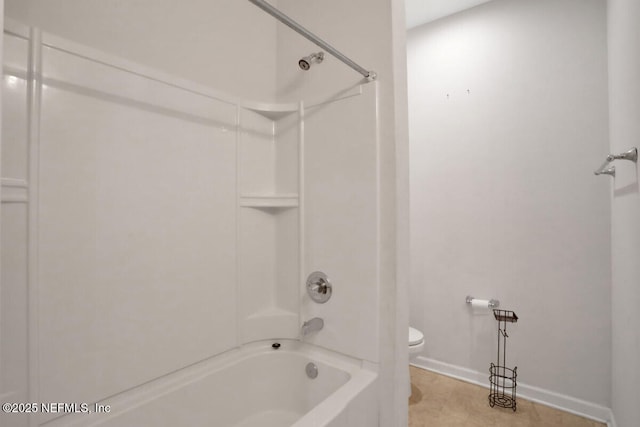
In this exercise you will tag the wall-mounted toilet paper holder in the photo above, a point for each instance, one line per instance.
(493, 303)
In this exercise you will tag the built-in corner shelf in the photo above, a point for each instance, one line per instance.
(284, 200)
(272, 111)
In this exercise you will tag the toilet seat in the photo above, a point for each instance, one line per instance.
(416, 342)
(415, 337)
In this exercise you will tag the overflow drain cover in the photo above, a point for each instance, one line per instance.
(312, 370)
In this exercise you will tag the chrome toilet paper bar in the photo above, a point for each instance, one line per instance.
(492, 303)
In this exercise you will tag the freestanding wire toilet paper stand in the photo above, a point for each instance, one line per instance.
(502, 379)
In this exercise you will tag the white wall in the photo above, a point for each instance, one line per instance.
(233, 62)
(340, 147)
(624, 110)
(372, 34)
(225, 44)
(3, 305)
(120, 191)
(14, 209)
(508, 120)
(420, 11)
(128, 260)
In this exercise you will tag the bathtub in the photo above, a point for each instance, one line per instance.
(252, 386)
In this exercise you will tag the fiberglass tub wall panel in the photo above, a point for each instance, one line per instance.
(136, 232)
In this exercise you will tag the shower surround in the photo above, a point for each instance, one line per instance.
(159, 226)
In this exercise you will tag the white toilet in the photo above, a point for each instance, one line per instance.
(416, 341)
(416, 344)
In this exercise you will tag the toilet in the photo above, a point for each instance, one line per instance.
(416, 341)
(416, 344)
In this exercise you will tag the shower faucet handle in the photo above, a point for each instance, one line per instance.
(319, 287)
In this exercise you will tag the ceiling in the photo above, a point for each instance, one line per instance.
(422, 11)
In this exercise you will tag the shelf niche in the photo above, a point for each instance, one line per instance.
(268, 235)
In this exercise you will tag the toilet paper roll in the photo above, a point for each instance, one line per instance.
(480, 306)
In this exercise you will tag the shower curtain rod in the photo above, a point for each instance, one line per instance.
(262, 4)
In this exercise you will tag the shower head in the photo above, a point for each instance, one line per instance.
(314, 58)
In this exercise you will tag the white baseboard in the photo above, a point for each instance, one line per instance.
(545, 397)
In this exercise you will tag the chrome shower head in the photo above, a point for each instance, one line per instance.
(314, 58)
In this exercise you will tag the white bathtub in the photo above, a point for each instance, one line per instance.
(253, 386)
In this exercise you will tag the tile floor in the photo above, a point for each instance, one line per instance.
(440, 401)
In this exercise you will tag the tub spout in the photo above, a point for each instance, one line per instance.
(312, 325)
